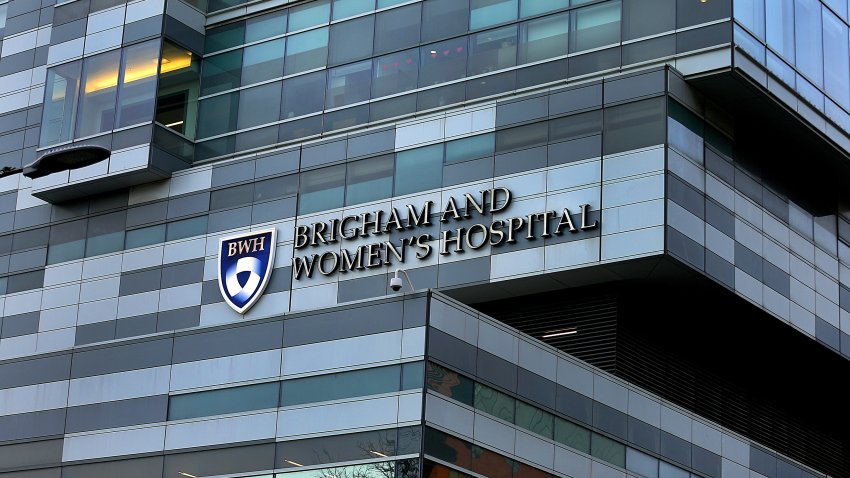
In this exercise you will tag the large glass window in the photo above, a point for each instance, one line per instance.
(608, 450)
(67, 241)
(138, 84)
(220, 402)
(369, 180)
(442, 62)
(836, 69)
(529, 8)
(99, 88)
(417, 170)
(779, 16)
(648, 17)
(641, 463)
(809, 39)
(534, 419)
(303, 95)
(221, 72)
(106, 233)
(595, 26)
(351, 40)
(322, 189)
(397, 28)
(217, 115)
(3, 11)
(495, 403)
(177, 96)
(336, 386)
(254, 105)
(265, 26)
(572, 435)
(449, 383)
(444, 18)
(492, 50)
(473, 147)
(60, 103)
(349, 8)
(395, 73)
(306, 51)
(485, 13)
(263, 61)
(223, 37)
(543, 38)
(349, 84)
(750, 13)
(309, 15)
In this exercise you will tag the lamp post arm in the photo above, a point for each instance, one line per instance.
(8, 171)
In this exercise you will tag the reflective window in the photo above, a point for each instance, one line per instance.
(485, 13)
(306, 51)
(634, 125)
(528, 8)
(572, 435)
(608, 450)
(808, 35)
(99, 88)
(494, 402)
(276, 188)
(492, 50)
(595, 26)
(522, 136)
(221, 72)
(105, 233)
(444, 18)
(395, 73)
(417, 170)
(397, 28)
(448, 383)
(342, 48)
(138, 84)
(779, 16)
(263, 61)
(473, 147)
(349, 84)
(836, 70)
(575, 126)
(750, 13)
(177, 96)
(217, 115)
(223, 37)
(303, 95)
(265, 26)
(534, 419)
(666, 470)
(309, 15)
(220, 402)
(3, 11)
(412, 375)
(145, 236)
(336, 386)
(349, 8)
(641, 463)
(442, 62)
(543, 38)
(60, 103)
(184, 228)
(67, 242)
(254, 105)
(648, 17)
(322, 189)
(337, 448)
(369, 180)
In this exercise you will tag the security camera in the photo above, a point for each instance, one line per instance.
(395, 284)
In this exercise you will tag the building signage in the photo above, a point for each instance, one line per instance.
(245, 263)
(404, 229)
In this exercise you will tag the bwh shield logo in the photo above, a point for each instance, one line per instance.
(245, 263)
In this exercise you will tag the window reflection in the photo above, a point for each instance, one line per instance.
(97, 99)
(138, 84)
(60, 103)
(177, 96)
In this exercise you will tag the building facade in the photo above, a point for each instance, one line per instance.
(621, 227)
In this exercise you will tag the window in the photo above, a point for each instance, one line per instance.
(473, 147)
(417, 170)
(3, 11)
(67, 242)
(449, 384)
(106, 233)
(648, 17)
(397, 28)
(351, 40)
(336, 386)
(837, 69)
(306, 51)
(349, 84)
(322, 189)
(177, 96)
(220, 402)
(254, 105)
(809, 34)
(442, 62)
(221, 72)
(485, 13)
(97, 99)
(750, 13)
(495, 403)
(309, 15)
(60, 103)
(522, 136)
(224, 37)
(303, 95)
(608, 450)
(349, 8)
(369, 180)
(217, 115)
(634, 125)
(641, 463)
(263, 61)
(572, 435)
(492, 50)
(276, 188)
(529, 8)
(395, 73)
(145, 236)
(184, 228)
(595, 26)
(138, 84)
(265, 26)
(444, 18)
(543, 38)
(779, 16)
(534, 419)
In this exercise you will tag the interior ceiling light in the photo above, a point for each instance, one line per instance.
(560, 333)
(188, 475)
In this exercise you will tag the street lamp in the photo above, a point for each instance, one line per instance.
(63, 158)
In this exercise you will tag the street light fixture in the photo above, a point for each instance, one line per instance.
(63, 158)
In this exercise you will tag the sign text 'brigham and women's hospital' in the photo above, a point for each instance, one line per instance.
(399, 222)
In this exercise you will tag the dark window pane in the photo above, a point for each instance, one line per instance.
(419, 169)
(265, 26)
(106, 233)
(438, 97)
(543, 38)
(349, 84)
(608, 450)
(473, 147)
(221, 72)
(276, 188)
(145, 236)
(648, 17)
(572, 435)
(303, 95)
(634, 125)
(491, 464)
(224, 37)
(397, 28)
(494, 402)
(254, 105)
(441, 62)
(309, 15)
(485, 13)
(322, 189)
(448, 383)
(341, 385)
(534, 419)
(412, 375)
(595, 26)
(492, 50)
(336, 448)
(186, 228)
(369, 180)
(395, 73)
(263, 61)
(447, 448)
(177, 95)
(67, 242)
(521, 136)
(217, 115)
(306, 51)
(343, 47)
(689, 13)
(346, 118)
(444, 18)
(220, 402)
(575, 126)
